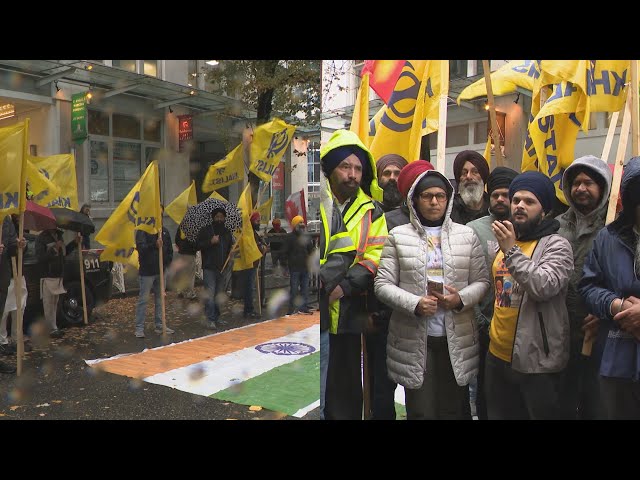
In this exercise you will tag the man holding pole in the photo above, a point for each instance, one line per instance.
(251, 274)
(148, 246)
(214, 243)
(611, 289)
(586, 185)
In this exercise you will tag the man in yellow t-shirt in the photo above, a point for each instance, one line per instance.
(529, 331)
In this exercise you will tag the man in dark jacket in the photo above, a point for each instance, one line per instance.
(275, 237)
(249, 275)
(149, 246)
(611, 289)
(50, 251)
(185, 276)
(8, 248)
(586, 186)
(471, 172)
(214, 243)
(298, 247)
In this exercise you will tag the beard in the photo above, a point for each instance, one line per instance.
(471, 193)
(347, 190)
(392, 197)
(526, 228)
(501, 211)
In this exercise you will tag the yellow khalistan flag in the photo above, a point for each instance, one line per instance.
(13, 168)
(412, 110)
(505, 80)
(215, 194)
(249, 251)
(265, 210)
(178, 207)
(42, 189)
(225, 172)
(360, 118)
(60, 171)
(140, 210)
(270, 141)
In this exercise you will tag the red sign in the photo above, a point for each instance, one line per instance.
(277, 181)
(185, 130)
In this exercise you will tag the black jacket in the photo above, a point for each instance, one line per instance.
(298, 247)
(10, 242)
(149, 254)
(460, 213)
(185, 247)
(47, 253)
(214, 256)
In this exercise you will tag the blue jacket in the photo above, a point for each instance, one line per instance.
(608, 274)
(149, 254)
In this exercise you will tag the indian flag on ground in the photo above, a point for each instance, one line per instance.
(274, 364)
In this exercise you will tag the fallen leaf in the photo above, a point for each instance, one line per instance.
(231, 419)
(15, 407)
(56, 401)
(43, 405)
(42, 414)
(3, 414)
(255, 408)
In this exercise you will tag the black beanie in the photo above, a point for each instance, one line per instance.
(538, 184)
(431, 180)
(333, 158)
(500, 177)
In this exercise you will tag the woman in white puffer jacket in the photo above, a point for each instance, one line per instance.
(432, 347)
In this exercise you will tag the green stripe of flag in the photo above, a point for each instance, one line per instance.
(285, 389)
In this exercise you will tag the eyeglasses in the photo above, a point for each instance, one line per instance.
(428, 197)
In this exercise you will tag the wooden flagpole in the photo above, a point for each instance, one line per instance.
(617, 176)
(442, 117)
(635, 128)
(258, 288)
(160, 259)
(610, 134)
(84, 295)
(492, 114)
(18, 291)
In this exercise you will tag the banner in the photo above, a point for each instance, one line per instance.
(13, 158)
(140, 210)
(265, 210)
(360, 117)
(225, 172)
(505, 80)
(215, 194)
(270, 141)
(60, 170)
(383, 76)
(295, 205)
(178, 207)
(185, 130)
(412, 111)
(79, 117)
(249, 251)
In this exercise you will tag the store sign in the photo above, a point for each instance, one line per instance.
(7, 110)
(185, 130)
(277, 182)
(79, 117)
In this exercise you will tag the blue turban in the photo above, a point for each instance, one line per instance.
(538, 184)
(333, 158)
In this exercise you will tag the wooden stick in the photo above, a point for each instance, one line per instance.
(234, 248)
(492, 114)
(610, 133)
(160, 259)
(262, 190)
(635, 128)
(18, 292)
(366, 387)
(442, 118)
(615, 185)
(258, 288)
(84, 295)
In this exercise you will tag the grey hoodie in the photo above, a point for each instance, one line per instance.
(581, 230)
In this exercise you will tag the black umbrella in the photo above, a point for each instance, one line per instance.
(72, 220)
(199, 216)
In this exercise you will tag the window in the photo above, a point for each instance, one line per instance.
(126, 126)
(480, 132)
(313, 163)
(117, 145)
(150, 67)
(99, 174)
(457, 136)
(457, 68)
(129, 65)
